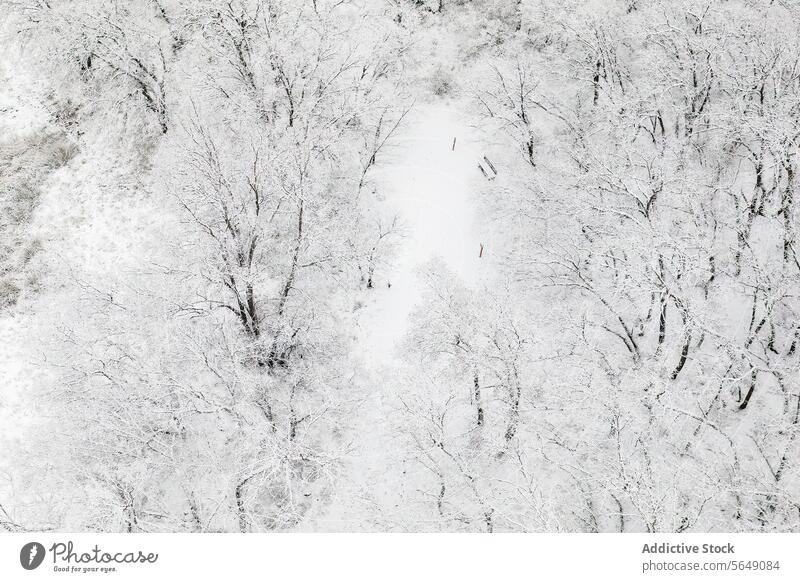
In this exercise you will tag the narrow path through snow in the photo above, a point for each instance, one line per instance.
(428, 184)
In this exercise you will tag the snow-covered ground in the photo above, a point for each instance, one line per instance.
(430, 186)
(19, 118)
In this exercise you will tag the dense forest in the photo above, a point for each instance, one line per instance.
(399, 265)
